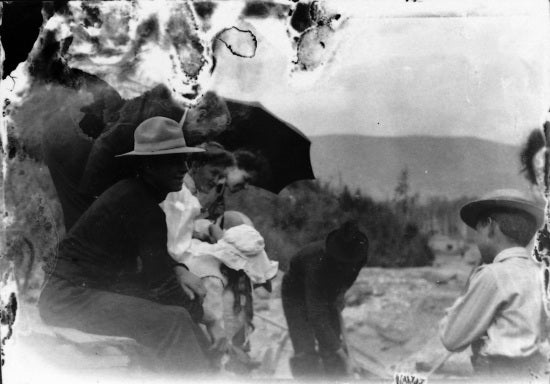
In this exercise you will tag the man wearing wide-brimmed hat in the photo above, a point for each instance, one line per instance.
(313, 289)
(93, 286)
(501, 313)
(103, 167)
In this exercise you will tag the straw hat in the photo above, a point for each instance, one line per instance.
(159, 136)
(503, 198)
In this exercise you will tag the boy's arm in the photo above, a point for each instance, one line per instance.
(472, 313)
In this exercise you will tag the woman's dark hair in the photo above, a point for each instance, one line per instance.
(535, 142)
(253, 163)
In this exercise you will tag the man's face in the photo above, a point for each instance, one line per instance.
(197, 120)
(166, 172)
(207, 177)
(484, 240)
(238, 179)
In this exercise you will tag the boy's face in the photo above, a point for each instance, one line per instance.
(484, 239)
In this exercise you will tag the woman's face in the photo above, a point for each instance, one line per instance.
(207, 177)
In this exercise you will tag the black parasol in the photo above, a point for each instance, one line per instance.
(282, 145)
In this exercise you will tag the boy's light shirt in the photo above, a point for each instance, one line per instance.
(502, 308)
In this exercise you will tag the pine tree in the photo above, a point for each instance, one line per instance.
(401, 198)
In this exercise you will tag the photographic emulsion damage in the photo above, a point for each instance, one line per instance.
(266, 190)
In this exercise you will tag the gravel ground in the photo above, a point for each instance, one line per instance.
(391, 319)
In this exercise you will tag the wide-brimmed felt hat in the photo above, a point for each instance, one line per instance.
(508, 199)
(159, 136)
(347, 244)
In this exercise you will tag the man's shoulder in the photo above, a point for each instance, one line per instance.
(118, 130)
(123, 186)
(308, 258)
(126, 192)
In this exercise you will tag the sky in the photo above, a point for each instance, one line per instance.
(434, 67)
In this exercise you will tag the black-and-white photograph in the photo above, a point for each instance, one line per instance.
(275, 190)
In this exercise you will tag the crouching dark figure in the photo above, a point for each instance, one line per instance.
(313, 297)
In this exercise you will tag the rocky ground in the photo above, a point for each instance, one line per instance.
(391, 319)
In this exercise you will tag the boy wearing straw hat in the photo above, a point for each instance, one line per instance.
(501, 313)
(89, 287)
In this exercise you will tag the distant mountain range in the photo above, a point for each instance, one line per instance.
(438, 166)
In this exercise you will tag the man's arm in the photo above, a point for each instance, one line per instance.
(470, 316)
(158, 265)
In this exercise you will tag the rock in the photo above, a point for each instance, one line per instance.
(393, 334)
(422, 366)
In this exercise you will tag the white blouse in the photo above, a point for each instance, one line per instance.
(181, 209)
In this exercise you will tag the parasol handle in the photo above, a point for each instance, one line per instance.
(182, 120)
(439, 363)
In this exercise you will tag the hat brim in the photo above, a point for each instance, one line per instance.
(471, 211)
(163, 152)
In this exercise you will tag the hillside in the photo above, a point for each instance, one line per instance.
(438, 166)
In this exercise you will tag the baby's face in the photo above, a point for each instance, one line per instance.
(201, 229)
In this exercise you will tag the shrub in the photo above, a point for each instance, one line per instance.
(308, 211)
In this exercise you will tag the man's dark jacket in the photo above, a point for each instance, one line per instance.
(124, 227)
(94, 286)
